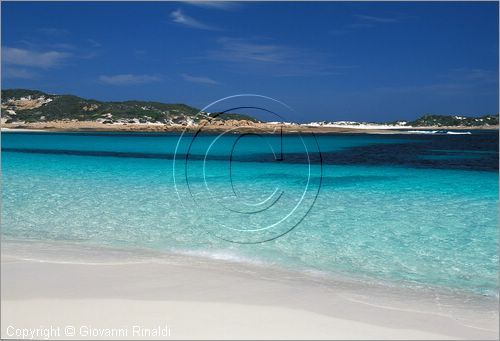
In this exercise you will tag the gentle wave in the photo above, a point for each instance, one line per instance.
(439, 132)
(459, 133)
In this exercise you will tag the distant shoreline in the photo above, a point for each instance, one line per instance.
(92, 126)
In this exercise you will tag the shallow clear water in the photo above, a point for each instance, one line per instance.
(415, 210)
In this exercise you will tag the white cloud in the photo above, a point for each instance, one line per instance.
(376, 19)
(180, 18)
(222, 5)
(247, 50)
(94, 43)
(63, 46)
(365, 22)
(52, 31)
(257, 55)
(128, 79)
(471, 75)
(24, 57)
(198, 79)
(18, 73)
(454, 82)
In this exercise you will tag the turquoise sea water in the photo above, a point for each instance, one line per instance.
(412, 210)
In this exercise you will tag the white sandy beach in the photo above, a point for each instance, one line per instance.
(95, 292)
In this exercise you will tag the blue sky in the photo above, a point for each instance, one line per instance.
(327, 60)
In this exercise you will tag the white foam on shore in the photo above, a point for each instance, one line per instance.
(220, 255)
(74, 253)
(421, 131)
(353, 126)
(23, 130)
(458, 132)
(438, 132)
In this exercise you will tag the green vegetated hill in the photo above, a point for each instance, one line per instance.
(34, 106)
(451, 121)
(22, 105)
